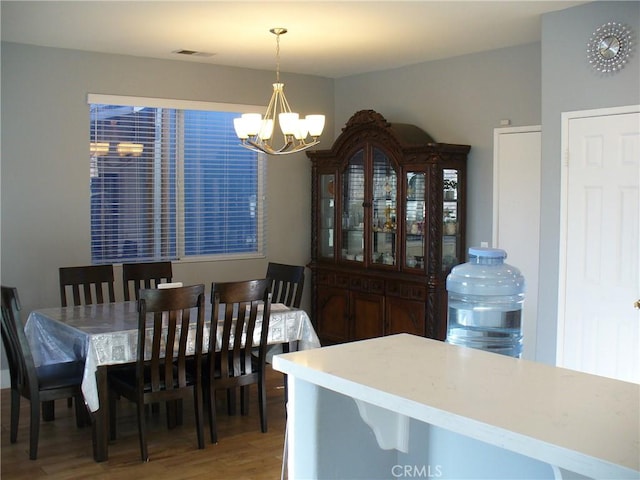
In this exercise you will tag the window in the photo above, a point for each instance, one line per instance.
(170, 181)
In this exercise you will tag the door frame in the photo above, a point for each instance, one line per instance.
(530, 324)
(564, 182)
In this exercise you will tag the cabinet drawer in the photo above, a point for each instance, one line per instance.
(368, 285)
(332, 279)
(411, 291)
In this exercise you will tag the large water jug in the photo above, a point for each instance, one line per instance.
(485, 303)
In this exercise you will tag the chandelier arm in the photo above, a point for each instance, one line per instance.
(298, 148)
(262, 148)
(284, 104)
(272, 107)
(286, 147)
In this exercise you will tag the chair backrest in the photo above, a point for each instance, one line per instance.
(163, 351)
(144, 275)
(287, 283)
(239, 303)
(87, 284)
(21, 366)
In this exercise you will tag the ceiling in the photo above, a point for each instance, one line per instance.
(325, 38)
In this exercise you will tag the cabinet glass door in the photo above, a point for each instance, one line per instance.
(414, 220)
(383, 221)
(327, 216)
(353, 209)
(450, 231)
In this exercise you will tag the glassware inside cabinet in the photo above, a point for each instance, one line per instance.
(414, 220)
(449, 218)
(384, 202)
(353, 209)
(327, 216)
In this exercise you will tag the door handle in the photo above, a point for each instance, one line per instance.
(636, 305)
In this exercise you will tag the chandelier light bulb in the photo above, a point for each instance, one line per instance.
(241, 129)
(302, 129)
(288, 123)
(266, 130)
(252, 123)
(315, 124)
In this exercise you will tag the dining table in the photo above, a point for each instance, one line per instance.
(106, 334)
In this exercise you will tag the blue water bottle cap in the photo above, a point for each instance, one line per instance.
(487, 252)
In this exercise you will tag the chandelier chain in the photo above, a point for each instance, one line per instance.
(278, 57)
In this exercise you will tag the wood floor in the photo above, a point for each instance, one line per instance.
(65, 452)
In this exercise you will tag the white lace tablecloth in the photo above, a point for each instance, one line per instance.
(107, 334)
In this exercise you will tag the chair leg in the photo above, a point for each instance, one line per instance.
(231, 401)
(286, 389)
(211, 402)
(112, 415)
(197, 401)
(172, 413)
(286, 348)
(48, 411)
(142, 432)
(154, 409)
(262, 394)
(34, 428)
(179, 412)
(15, 414)
(82, 414)
(244, 400)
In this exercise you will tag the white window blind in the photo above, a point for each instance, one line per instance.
(169, 181)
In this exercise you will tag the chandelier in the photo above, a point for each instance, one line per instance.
(256, 131)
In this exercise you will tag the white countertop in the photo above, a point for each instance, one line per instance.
(583, 423)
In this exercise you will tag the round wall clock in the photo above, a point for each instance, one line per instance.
(610, 47)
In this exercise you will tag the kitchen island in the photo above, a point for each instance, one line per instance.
(404, 406)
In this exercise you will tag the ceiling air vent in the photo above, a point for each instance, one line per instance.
(193, 53)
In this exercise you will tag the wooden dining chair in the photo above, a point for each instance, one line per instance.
(287, 283)
(40, 385)
(144, 275)
(160, 374)
(88, 284)
(234, 366)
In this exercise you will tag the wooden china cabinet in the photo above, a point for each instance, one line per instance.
(388, 208)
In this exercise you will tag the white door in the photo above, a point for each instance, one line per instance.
(598, 327)
(516, 214)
